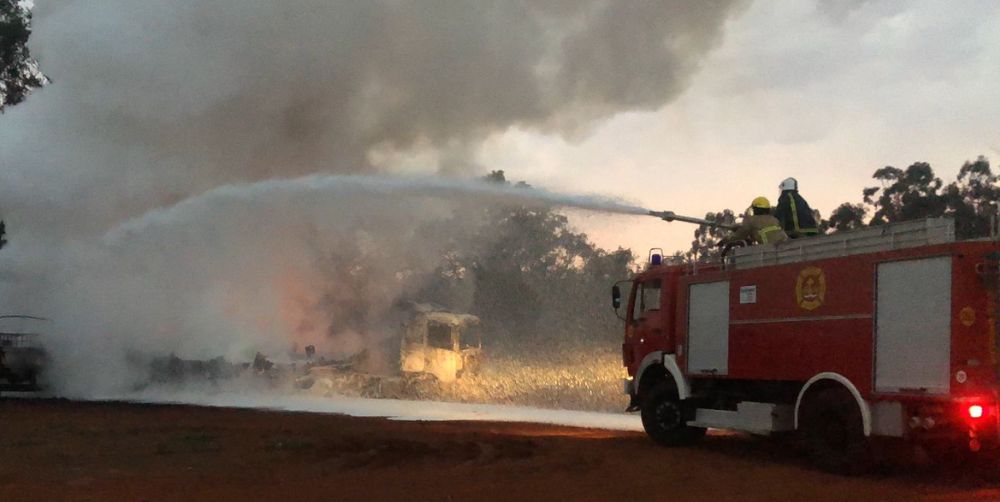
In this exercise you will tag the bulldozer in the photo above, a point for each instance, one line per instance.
(441, 344)
(437, 348)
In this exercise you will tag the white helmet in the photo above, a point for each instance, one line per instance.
(789, 184)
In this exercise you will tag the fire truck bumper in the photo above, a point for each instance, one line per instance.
(627, 384)
(973, 422)
(628, 387)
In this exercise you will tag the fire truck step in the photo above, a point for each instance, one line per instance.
(755, 418)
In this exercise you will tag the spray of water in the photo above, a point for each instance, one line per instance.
(319, 260)
(372, 186)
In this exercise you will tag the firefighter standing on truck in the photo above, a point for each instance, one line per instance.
(758, 226)
(793, 211)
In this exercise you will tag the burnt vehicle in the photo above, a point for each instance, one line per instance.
(445, 345)
(437, 348)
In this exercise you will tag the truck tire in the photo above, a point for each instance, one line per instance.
(664, 418)
(833, 433)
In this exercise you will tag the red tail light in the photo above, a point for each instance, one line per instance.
(975, 411)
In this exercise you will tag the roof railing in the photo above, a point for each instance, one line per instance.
(875, 239)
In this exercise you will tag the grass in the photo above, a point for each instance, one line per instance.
(584, 377)
(579, 379)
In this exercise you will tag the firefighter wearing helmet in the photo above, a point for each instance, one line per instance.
(758, 226)
(793, 211)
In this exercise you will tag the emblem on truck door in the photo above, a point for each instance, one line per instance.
(810, 288)
(967, 316)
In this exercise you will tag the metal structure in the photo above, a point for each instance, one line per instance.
(22, 357)
(441, 344)
(436, 348)
(901, 235)
(886, 331)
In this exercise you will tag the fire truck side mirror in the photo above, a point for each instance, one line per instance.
(616, 297)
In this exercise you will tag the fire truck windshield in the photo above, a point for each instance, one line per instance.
(647, 298)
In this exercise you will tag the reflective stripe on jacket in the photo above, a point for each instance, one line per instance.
(759, 229)
(768, 235)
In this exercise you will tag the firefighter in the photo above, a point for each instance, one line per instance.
(793, 211)
(757, 227)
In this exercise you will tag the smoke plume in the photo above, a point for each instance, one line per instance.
(153, 103)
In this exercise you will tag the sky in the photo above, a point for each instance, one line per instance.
(826, 92)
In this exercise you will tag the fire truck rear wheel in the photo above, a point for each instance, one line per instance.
(833, 433)
(664, 418)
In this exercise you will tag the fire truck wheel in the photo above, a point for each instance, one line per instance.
(664, 417)
(833, 432)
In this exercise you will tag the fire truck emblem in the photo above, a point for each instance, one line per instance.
(967, 316)
(810, 288)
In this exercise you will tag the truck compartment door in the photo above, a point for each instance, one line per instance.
(913, 326)
(708, 328)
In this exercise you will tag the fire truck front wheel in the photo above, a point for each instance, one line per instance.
(664, 417)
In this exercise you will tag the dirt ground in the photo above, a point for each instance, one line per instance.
(62, 450)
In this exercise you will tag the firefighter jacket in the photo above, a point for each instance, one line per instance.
(795, 215)
(758, 229)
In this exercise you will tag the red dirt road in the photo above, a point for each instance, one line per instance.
(61, 450)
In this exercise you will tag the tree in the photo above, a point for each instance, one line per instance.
(704, 246)
(905, 195)
(536, 276)
(529, 275)
(19, 72)
(972, 199)
(847, 216)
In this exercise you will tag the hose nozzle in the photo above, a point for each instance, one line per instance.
(664, 215)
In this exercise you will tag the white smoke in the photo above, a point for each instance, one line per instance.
(153, 103)
(320, 260)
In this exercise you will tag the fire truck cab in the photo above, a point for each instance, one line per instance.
(881, 332)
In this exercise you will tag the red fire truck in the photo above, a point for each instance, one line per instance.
(880, 332)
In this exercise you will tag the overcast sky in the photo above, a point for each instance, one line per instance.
(826, 92)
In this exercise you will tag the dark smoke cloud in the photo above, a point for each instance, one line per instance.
(155, 101)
